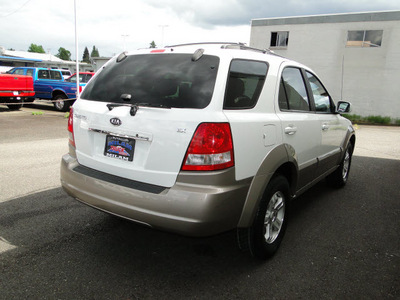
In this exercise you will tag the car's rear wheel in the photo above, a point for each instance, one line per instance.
(340, 176)
(60, 103)
(264, 237)
(15, 106)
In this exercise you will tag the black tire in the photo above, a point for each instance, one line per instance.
(14, 106)
(264, 237)
(340, 176)
(61, 104)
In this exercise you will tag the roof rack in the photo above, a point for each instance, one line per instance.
(227, 45)
(202, 43)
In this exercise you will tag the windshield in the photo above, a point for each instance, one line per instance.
(171, 80)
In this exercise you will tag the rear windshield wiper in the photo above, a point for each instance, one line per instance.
(152, 105)
(135, 106)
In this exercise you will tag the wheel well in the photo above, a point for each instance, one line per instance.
(58, 93)
(289, 171)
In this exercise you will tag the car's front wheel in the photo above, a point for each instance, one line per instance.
(14, 106)
(340, 176)
(264, 237)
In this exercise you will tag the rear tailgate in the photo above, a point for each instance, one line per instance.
(148, 147)
(15, 85)
(172, 92)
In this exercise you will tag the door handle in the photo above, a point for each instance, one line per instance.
(290, 130)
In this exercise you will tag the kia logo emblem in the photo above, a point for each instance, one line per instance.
(115, 121)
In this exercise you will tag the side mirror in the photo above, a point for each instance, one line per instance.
(343, 107)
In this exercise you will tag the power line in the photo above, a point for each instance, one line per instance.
(13, 12)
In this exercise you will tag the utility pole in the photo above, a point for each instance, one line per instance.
(162, 34)
(123, 38)
(76, 52)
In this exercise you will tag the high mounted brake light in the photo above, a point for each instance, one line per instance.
(157, 51)
(211, 148)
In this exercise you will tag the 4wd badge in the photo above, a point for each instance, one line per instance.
(115, 121)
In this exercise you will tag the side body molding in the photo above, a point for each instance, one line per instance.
(281, 156)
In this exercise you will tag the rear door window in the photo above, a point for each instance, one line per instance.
(292, 91)
(172, 80)
(43, 74)
(245, 82)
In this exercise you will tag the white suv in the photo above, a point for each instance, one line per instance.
(199, 139)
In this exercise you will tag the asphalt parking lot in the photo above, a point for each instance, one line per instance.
(340, 244)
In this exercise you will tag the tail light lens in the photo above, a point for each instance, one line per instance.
(71, 138)
(211, 148)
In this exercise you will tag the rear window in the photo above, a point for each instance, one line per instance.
(172, 80)
(55, 75)
(245, 82)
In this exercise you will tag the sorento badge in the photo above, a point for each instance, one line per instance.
(115, 121)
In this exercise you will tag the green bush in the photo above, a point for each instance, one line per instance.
(354, 118)
(372, 120)
(379, 120)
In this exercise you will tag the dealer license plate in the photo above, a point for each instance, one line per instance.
(119, 147)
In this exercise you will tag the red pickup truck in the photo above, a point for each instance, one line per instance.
(15, 89)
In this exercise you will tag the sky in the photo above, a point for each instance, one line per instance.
(115, 26)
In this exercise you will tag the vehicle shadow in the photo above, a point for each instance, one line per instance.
(74, 251)
(41, 105)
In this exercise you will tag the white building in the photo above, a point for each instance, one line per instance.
(99, 62)
(11, 58)
(356, 55)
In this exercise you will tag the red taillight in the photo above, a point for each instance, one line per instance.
(211, 148)
(71, 138)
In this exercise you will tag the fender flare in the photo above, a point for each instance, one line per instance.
(56, 92)
(279, 156)
(349, 138)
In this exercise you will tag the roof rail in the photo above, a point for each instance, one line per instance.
(244, 47)
(227, 45)
(202, 43)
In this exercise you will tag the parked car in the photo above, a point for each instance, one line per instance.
(49, 84)
(200, 139)
(84, 78)
(15, 89)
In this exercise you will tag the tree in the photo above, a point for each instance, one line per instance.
(153, 45)
(95, 52)
(63, 54)
(36, 48)
(86, 57)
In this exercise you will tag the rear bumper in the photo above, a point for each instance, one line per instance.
(197, 205)
(14, 94)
